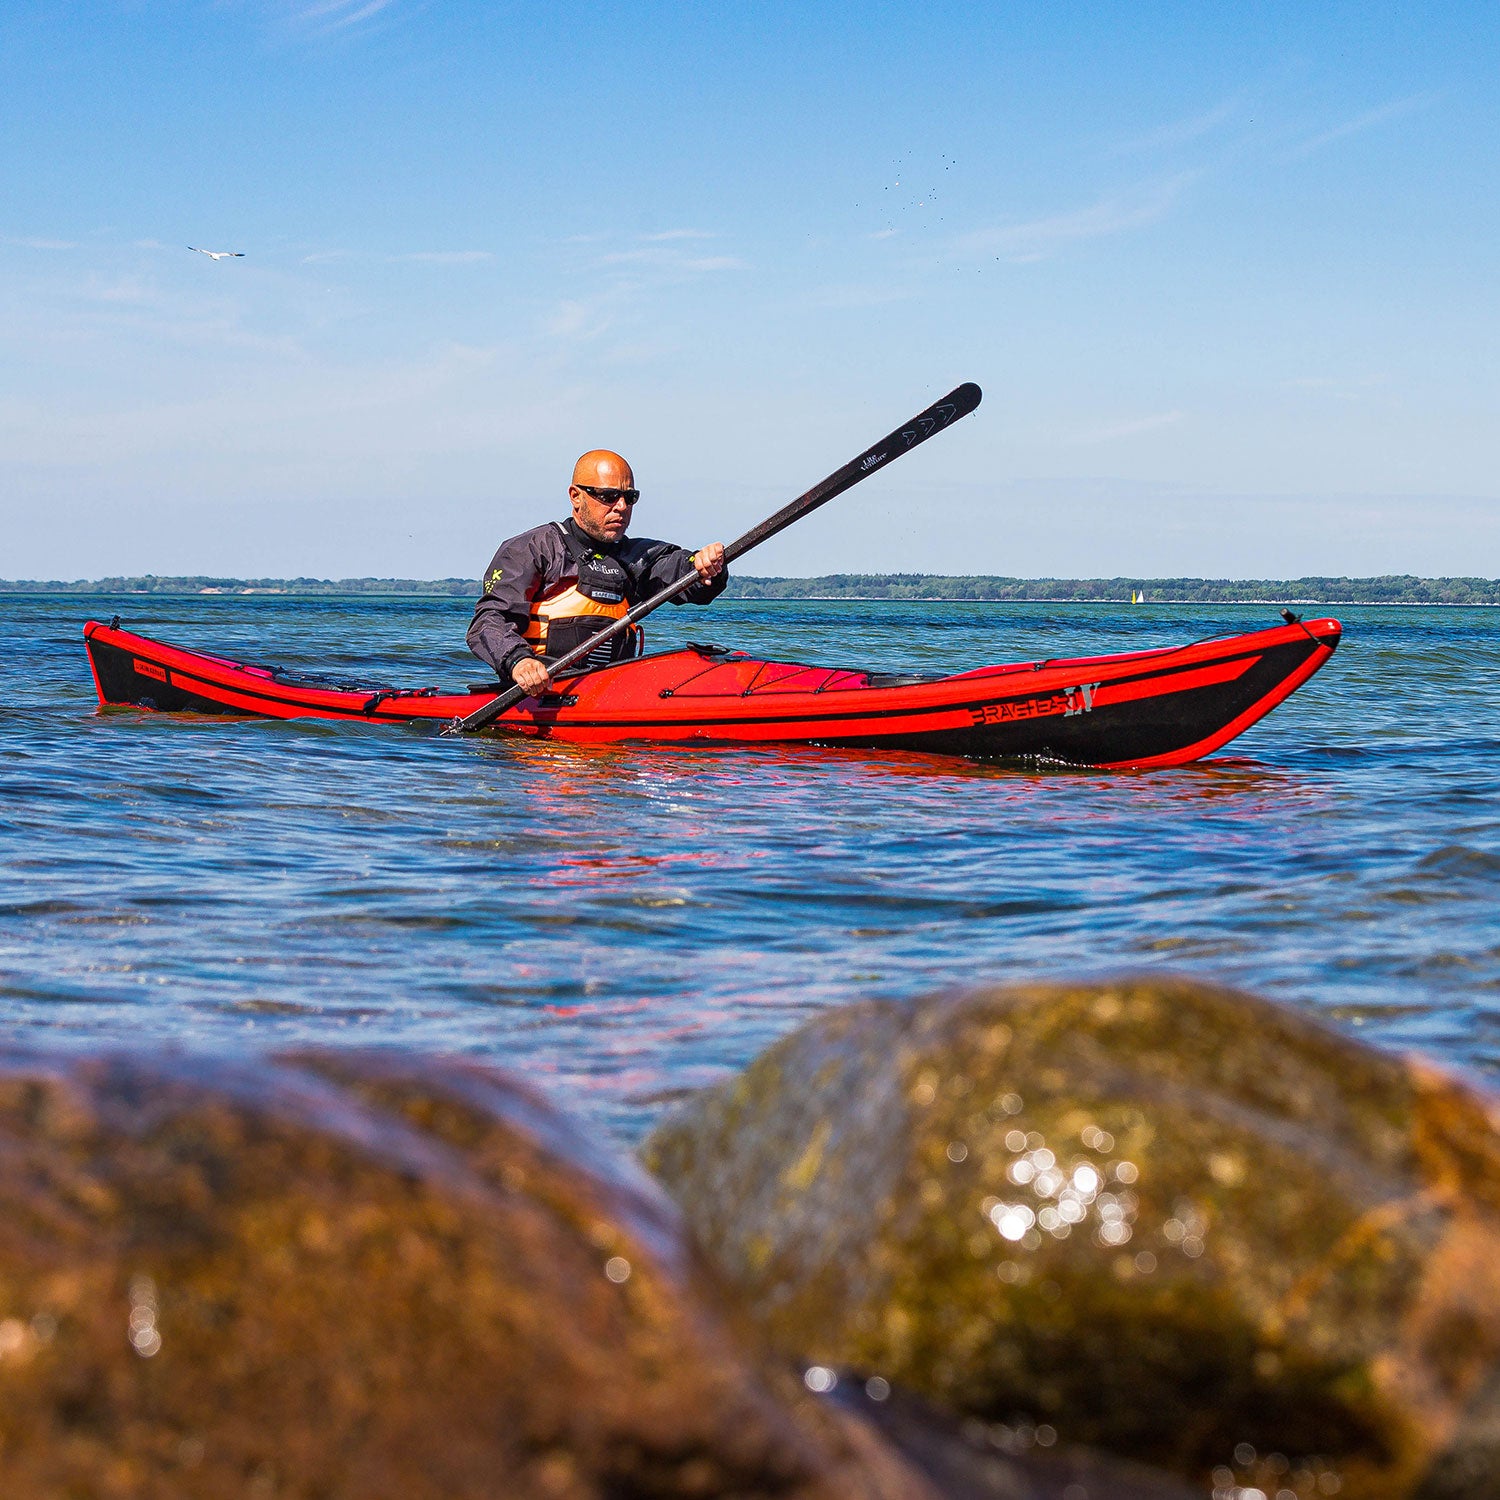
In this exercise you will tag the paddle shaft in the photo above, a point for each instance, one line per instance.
(957, 403)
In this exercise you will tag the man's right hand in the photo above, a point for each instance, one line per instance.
(530, 673)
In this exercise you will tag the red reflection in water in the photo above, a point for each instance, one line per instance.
(571, 775)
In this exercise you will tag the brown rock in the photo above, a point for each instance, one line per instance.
(356, 1276)
(1167, 1220)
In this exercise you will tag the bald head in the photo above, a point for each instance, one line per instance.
(599, 469)
(604, 470)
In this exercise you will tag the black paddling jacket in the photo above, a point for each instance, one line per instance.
(551, 588)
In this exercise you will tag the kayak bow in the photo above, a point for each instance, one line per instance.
(1163, 707)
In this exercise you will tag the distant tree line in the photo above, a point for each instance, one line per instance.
(1401, 588)
(200, 584)
(1389, 589)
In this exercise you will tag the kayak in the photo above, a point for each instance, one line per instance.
(1162, 707)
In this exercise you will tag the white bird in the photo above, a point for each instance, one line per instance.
(219, 254)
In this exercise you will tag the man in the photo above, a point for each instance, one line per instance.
(551, 588)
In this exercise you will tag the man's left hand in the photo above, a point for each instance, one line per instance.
(709, 561)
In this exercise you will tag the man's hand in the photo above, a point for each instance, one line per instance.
(530, 673)
(709, 561)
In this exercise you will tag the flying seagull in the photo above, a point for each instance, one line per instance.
(219, 254)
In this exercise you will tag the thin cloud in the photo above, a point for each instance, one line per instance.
(1130, 427)
(126, 290)
(575, 321)
(1115, 214)
(1366, 121)
(1347, 388)
(34, 242)
(331, 22)
(673, 260)
(1178, 132)
(339, 15)
(446, 257)
(659, 237)
(410, 257)
(850, 294)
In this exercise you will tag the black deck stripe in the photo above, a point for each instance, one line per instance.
(765, 719)
(322, 708)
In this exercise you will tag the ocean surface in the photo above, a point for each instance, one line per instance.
(625, 924)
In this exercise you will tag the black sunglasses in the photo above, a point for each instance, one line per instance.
(610, 497)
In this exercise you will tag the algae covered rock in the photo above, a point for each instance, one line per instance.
(1167, 1220)
(336, 1276)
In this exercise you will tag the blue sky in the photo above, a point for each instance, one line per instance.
(1226, 274)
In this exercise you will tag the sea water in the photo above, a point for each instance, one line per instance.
(624, 924)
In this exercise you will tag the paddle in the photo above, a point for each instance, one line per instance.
(957, 403)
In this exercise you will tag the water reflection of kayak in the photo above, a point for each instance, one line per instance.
(1162, 707)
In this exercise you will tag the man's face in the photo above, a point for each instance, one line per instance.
(604, 518)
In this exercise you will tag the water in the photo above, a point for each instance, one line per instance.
(625, 924)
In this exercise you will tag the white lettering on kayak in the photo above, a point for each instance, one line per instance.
(1080, 699)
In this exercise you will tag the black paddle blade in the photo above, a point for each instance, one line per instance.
(957, 403)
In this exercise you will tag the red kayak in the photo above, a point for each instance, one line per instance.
(1164, 707)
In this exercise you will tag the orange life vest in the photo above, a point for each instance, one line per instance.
(564, 616)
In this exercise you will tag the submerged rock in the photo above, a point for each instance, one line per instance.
(974, 1460)
(1163, 1219)
(340, 1276)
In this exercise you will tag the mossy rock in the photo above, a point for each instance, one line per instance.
(1168, 1220)
(359, 1276)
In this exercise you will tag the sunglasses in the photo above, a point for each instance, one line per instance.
(610, 498)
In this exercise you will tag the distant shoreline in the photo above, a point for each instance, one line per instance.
(1391, 589)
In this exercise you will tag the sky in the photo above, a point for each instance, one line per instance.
(1227, 276)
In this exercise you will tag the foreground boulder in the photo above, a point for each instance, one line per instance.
(1167, 1220)
(355, 1277)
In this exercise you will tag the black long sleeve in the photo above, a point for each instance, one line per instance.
(521, 569)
